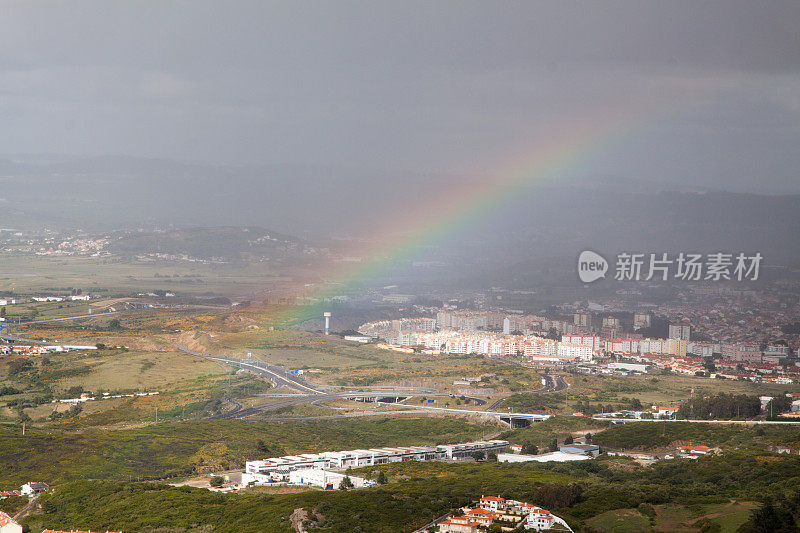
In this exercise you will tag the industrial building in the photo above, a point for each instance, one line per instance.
(277, 469)
(325, 479)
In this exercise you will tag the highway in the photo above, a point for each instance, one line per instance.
(315, 393)
(73, 317)
(275, 373)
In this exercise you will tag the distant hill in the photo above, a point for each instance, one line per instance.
(219, 242)
(606, 213)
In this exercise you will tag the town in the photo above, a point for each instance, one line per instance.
(590, 349)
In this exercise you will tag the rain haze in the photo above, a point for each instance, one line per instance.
(404, 266)
(316, 119)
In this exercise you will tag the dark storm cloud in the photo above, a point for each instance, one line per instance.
(440, 87)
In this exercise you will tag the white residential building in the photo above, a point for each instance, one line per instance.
(7, 524)
(579, 352)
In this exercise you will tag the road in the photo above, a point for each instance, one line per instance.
(14, 338)
(73, 317)
(20, 515)
(316, 394)
(275, 373)
(551, 384)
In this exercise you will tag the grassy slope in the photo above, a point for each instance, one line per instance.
(397, 507)
(651, 434)
(167, 449)
(679, 490)
(542, 433)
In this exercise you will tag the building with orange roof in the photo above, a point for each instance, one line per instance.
(492, 503)
(539, 519)
(482, 516)
(7, 524)
(458, 524)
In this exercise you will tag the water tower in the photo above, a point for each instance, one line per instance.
(327, 316)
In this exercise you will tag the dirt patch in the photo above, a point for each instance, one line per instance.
(297, 517)
(195, 340)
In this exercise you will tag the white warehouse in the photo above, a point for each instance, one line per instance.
(279, 468)
(325, 479)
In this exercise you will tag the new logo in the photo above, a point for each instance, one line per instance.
(591, 266)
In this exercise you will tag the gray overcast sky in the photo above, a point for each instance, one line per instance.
(427, 87)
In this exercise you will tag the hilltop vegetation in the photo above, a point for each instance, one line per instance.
(418, 492)
(652, 435)
(174, 449)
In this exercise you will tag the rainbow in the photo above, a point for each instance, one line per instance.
(565, 149)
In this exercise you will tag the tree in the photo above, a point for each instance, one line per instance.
(216, 481)
(530, 449)
(778, 515)
(346, 483)
(478, 456)
(779, 404)
(554, 445)
(569, 440)
(382, 478)
(261, 446)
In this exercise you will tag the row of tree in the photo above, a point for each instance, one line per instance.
(724, 406)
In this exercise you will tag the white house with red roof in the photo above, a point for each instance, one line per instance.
(482, 516)
(492, 503)
(665, 412)
(7, 524)
(458, 524)
(695, 449)
(509, 514)
(539, 519)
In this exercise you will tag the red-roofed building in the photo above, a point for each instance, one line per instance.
(458, 524)
(665, 412)
(695, 450)
(539, 519)
(7, 524)
(482, 516)
(492, 503)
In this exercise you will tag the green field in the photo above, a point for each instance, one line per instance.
(729, 517)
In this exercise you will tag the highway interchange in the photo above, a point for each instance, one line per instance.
(311, 393)
(316, 394)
